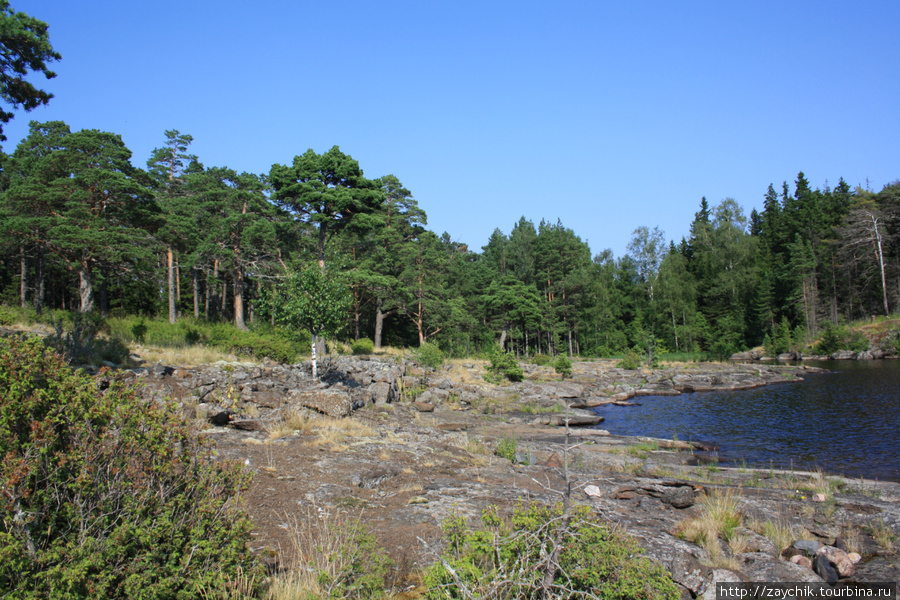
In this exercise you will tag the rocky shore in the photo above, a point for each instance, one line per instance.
(404, 447)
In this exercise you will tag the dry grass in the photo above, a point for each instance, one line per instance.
(334, 432)
(720, 516)
(461, 374)
(850, 535)
(883, 535)
(782, 533)
(324, 553)
(819, 483)
(189, 356)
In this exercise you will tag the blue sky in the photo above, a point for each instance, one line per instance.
(605, 115)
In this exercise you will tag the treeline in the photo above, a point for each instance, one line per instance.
(82, 229)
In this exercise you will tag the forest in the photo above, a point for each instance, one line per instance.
(82, 229)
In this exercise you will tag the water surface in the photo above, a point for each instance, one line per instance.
(846, 421)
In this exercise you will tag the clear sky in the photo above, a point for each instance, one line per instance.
(605, 115)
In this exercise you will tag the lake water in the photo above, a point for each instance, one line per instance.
(844, 422)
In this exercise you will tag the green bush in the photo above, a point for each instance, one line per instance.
(507, 558)
(506, 448)
(840, 337)
(504, 364)
(429, 355)
(362, 346)
(632, 361)
(541, 360)
(260, 341)
(7, 316)
(563, 366)
(139, 330)
(107, 496)
(266, 342)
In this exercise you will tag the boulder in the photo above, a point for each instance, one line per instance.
(381, 392)
(824, 569)
(681, 496)
(840, 559)
(576, 418)
(329, 402)
(801, 560)
(810, 547)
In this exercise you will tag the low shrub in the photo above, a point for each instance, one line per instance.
(563, 366)
(506, 448)
(509, 558)
(840, 337)
(76, 339)
(106, 496)
(362, 346)
(504, 364)
(429, 355)
(541, 360)
(632, 361)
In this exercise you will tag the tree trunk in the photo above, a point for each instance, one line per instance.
(170, 272)
(239, 299)
(880, 254)
(86, 288)
(224, 298)
(379, 323)
(23, 280)
(41, 285)
(206, 297)
(503, 333)
(195, 280)
(355, 314)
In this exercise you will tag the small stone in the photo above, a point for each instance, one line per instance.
(840, 559)
(818, 498)
(808, 546)
(418, 500)
(593, 491)
(822, 567)
(679, 497)
(555, 462)
(425, 407)
(801, 560)
(854, 557)
(247, 425)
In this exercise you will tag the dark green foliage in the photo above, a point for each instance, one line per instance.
(26, 49)
(139, 330)
(632, 361)
(327, 191)
(362, 346)
(504, 364)
(890, 343)
(106, 496)
(259, 342)
(840, 337)
(7, 316)
(506, 558)
(563, 366)
(76, 339)
(429, 355)
(280, 345)
(541, 359)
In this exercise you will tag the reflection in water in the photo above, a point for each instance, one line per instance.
(846, 421)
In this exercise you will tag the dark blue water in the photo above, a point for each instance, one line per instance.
(844, 422)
